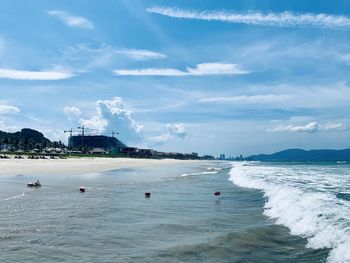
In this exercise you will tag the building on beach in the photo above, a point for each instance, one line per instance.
(96, 141)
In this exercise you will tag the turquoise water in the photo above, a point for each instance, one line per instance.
(113, 222)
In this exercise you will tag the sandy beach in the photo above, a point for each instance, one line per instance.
(77, 165)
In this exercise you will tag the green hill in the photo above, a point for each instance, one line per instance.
(26, 139)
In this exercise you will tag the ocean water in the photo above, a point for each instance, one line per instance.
(312, 200)
(265, 213)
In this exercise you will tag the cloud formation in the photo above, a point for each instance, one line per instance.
(140, 54)
(8, 109)
(84, 57)
(245, 99)
(284, 19)
(311, 127)
(73, 113)
(34, 75)
(69, 111)
(178, 130)
(110, 116)
(7, 127)
(174, 131)
(71, 20)
(204, 69)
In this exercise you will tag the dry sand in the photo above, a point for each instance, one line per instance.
(76, 165)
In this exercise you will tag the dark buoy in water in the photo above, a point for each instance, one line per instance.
(82, 189)
(147, 195)
(217, 193)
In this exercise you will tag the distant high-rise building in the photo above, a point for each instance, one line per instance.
(222, 156)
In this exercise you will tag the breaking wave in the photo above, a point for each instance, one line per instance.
(308, 199)
(200, 173)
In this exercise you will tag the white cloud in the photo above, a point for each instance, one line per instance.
(111, 116)
(159, 139)
(199, 70)
(96, 123)
(334, 126)
(284, 19)
(174, 131)
(8, 109)
(84, 57)
(245, 99)
(7, 127)
(34, 75)
(311, 127)
(71, 20)
(140, 54)
(177, 130)
(168, 72)
(72, 111)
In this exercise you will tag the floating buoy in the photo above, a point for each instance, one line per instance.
(217, 193)
(82, 189)
(147, 194)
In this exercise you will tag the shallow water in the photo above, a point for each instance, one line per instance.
(182, 221)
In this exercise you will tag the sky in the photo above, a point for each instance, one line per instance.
(224, 76)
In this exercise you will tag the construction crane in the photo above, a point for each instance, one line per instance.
(70, 132)
(82, 128)
(113, 133)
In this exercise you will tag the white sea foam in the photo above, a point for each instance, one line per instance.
(15, 197)
(303, 198)
(200, 173)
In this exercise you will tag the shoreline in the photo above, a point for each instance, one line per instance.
(77, 166)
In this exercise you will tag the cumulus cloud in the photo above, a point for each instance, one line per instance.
(8, 109)
(173, 132)
(34, 75)
(72, 111)
(284, 19)
(200, 70)
(245, 99)
(111, 116)
(71, 20)
(311, 127)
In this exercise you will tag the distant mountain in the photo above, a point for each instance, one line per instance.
(300, 155)
(24, 140)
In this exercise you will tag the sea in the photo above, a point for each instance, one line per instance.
(266, 212)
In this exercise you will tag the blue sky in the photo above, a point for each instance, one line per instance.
(234, 77)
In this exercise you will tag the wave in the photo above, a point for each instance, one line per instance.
(200, 173)
(15, 197)
(299, 198)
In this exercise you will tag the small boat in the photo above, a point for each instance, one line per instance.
(34, 184)
(147, 195)
(82, 189)
(217, 193)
